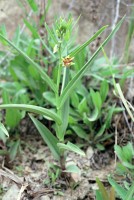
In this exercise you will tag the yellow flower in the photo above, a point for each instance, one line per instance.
(67, 61)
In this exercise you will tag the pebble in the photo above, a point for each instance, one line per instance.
(12, 193)
(46, 197)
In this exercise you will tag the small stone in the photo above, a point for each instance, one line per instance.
(89, 152)
(59, 198)
(46, 197)
(12, 193)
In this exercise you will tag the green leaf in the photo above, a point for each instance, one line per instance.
(12, 117)
(119, 153)
(80, 59)
(72, 169)
(100, 132)
(71, 147)
(128, 152)
(16, 38)
(120, 191)
(98, 195)
(48, 137)
(82, 106)
(102, 189)
(50, 97)
(31, 28)
(128, 165)
(14, 150)
(51, 34)
(33, 5)
(4, 130)
(96, 99)
(80, 48)
(34, 109)
(80, 132)
(100, 147)
(109, 116)
(3, 32)
(74, 82)
(64, 110)
(40, 70)
(74, 100)
(130, 193)
(104, 90)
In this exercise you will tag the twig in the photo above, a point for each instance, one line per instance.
(23, 187)
(113, 26)
(126, 119)
(13, 177)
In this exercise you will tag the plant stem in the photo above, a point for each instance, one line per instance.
(59, 69)
(58, 128)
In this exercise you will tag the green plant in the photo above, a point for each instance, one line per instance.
(125, 190)
(102, 193)
(90, 114)
(53, 174)
(62, 88)
(126, 157)
(124, 194)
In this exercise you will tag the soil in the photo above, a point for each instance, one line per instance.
(27, 177)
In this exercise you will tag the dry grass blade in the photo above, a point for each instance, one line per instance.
(13, 177)
(124, 101)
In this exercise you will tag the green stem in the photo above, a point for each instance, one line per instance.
(58, 92)
(59, 76)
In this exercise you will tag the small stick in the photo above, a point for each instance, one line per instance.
(23, 187)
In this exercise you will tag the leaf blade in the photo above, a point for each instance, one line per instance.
(48, 137)
(71, 147)
(35, 109)
(80, 48)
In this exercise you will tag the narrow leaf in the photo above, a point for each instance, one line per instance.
(120, 191)
(80, 132)
(71, 147)
(33, 5)
(65, 108)
(14, 149)
(35, 109)
(119, 153)
(51, 34)
(112, 194)
(98, 195)
(104, 90)
(130, 193)
(3, 129)
(48, 137)
(72, 169)
(80, 48)
(102, 189)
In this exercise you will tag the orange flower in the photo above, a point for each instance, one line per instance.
(67, 61)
